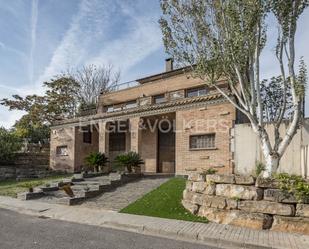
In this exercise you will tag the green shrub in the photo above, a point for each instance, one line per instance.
(130, 161)
(95, 160)
(259, 168)
(295, 185)
(9, 144)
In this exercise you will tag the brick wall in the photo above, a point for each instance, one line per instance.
(216, 119)
(77, 150)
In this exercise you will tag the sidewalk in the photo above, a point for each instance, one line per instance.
(211, 234)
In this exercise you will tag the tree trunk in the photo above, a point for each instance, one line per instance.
(271, 164)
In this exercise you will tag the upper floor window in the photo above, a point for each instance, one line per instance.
(110, 108)
(195, 92)
(159, 99)
(131, 104)
(205, 141)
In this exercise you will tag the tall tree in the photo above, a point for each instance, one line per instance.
(59, 102)
(93, 80)
(224, 39)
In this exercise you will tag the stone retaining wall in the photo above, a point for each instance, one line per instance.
(26, 165)
(245, 201)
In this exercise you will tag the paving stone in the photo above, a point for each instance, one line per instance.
(122, 196)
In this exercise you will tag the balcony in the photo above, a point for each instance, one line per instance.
(122, 86)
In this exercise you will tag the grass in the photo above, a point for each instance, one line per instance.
(12, 187)
(164, 202)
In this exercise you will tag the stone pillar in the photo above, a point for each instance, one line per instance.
(135, 134)
(103, 138)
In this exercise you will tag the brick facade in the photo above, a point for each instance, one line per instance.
(217, 119)
(198, 115)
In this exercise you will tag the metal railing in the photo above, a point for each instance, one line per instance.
(125, 85)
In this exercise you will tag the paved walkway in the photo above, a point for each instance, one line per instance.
(223, 236)
(122, 196)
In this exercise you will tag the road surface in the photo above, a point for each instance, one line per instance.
(19, 231)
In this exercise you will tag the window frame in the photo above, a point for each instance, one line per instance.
(59, 149)
(198, 90)
(159, 96)
(203, 148)
(87, 135)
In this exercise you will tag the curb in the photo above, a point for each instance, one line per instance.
(199, 233)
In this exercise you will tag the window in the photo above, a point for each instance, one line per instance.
(195, 92)
(62, 150)
(110, 108)
(87, 135)
(206, 141)
(159, 99)
(117, 141)
(131, 104)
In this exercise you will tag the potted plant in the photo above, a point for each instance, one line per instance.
(131, 161)
(96, 161)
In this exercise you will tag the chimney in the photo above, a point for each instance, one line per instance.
(169, 64)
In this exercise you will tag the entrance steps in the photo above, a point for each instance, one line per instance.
(83, 188)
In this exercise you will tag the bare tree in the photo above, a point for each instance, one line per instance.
(94, 80)
(224, 39)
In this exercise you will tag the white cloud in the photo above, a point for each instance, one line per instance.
(142, 39)
(33, 27)
(88, 23)
(132, 47)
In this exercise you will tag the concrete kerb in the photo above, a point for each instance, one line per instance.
(210, 234)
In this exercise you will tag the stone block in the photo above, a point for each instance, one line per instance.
(193, 197)
(291, 224)
(244, 180)
(189, 185)
(210, 189)
(277, 195)
(267, 207)
(199, 187)
(239, 191)
(302, 210)
(266, 183)
(220, 178)
(214, 202)
(30, 195)
(193, 208)
(236, 217)
(196, 177)
(231, 204)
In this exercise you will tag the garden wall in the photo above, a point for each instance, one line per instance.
(245, 201)
(26, 165)
(247, 151)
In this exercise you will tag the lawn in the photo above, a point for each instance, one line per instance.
(164, 202)
(13, 187)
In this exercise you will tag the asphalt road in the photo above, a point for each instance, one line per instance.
(26, 232)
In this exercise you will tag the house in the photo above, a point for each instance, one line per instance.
(171, 119)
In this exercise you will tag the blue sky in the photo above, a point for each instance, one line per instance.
(41, 38)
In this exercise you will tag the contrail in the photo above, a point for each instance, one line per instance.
(34, 20)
